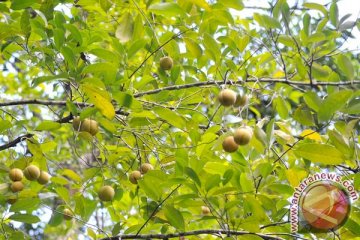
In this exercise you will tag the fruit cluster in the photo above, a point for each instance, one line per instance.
(242, 135)
(31, 173)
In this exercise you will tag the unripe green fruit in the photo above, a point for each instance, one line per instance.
(145, 167)
(240, 100)
(166, 63)
(43, 178)
(76, 123)
(205, 210)
(227, 97)
(229, 145)
(90, 126)
(242, 136)
(67, 214)
(32, 172)
(16, 174)
(134, 177)
(16, 186)
(106, 193)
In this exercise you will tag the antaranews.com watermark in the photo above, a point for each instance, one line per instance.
(321, 202)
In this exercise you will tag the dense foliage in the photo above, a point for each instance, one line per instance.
(100, 60)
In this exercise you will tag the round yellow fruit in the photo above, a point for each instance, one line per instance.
(135, 176)
(240, 100)
(90, 126)
(16, 174)
(106, 193)
(43, 178)
(229, 144)
(16, 186)
(145, 167)
(227, 97)
(76, 123)
(205, 210)
(242, 136)
(166, 63)
(68, 214)
(32, 172)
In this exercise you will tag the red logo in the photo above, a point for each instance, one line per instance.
(324, 206)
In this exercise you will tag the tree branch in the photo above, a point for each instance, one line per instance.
(260, 80)
(42, 102)
(269, 236)
(14, 142)
(178, 87)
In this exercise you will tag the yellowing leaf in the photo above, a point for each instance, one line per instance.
(295, 176)
(311, 134)
(100, 99)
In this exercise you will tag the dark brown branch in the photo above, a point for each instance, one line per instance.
(42, 102)
(269, 236)
(260, 80)
(14, 142)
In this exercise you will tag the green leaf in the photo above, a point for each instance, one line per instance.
(4, 125)
(316, 6)
(170, 117)
(167, 9)
(100, 99)
(75, 33)
(25, 218)
(212, 46)
(192, 47)
(353, 226)
(346, 66)
(281, 107)
(332, 103)
(125, 29)
(304, 116)
(60, 77)
(312, 100)
(22, 4)
(59, 37)
(267, 21)
(69, 56)
(306, 23)
(334, 14)
(63, 193)
(192, 174)
(212, 181)
(26, 204)
(99, 68)
(247, 185)
(25, 22)
(235, 4)
(151, 179)
(319, 153)
(127, 100)
(175, 217)
(47, 126)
